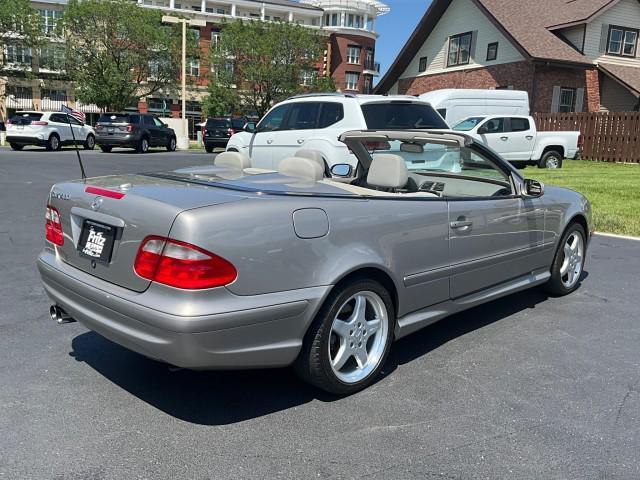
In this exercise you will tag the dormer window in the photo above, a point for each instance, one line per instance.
(459, 49)
(622, 41)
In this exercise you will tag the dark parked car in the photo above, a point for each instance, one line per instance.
(218, 130)
(134, 130)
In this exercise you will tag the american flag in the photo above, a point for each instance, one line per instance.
(74, 113)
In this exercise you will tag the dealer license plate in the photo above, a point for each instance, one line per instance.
(96, 241)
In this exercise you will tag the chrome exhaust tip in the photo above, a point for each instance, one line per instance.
(59, 316)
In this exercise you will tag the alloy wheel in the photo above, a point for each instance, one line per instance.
(571, 268)
(358, 337)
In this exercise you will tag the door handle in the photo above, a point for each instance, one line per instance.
(300, 141)
(529, 137)
(461, 224)
(504, 139)
(269, 142)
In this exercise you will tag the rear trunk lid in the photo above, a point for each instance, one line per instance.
(147, 206)
(25, 124)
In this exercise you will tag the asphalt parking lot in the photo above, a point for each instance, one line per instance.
(524, 387)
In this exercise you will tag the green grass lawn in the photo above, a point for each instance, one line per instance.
(613, 189)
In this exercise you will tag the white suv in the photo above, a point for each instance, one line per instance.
(48, 129)
(314, 122)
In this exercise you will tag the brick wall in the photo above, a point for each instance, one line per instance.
(339, 66)
(520, 76)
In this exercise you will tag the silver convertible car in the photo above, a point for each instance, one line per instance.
(226, 266)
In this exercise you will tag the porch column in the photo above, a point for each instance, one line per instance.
(203, 7)
(233, 9)
(262, 12)
(172, 4)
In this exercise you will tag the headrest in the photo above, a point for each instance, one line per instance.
(314, 155)
(233, 160)
(388, 171)
(301, 167)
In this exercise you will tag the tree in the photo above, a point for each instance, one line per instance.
(117, 51)
(220, 101)
(261, 63)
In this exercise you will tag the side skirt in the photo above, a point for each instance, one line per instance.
(415, 321)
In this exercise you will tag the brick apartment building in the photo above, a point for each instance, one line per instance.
(349, 27)
(570, 55)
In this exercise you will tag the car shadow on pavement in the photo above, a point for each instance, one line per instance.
(225, 397)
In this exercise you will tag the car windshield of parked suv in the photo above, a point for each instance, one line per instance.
(401, 115)
(467, 124)
(238, 123)
(25, 118)
(218, 123)
(114, 118)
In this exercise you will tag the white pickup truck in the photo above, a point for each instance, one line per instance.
(515, 138)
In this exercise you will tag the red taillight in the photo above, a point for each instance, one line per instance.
(103, 192)
(231, 131)
(580, 141)
(40, 123)
(202, 130)
(130, 128)
(53, 226)
(182, 265)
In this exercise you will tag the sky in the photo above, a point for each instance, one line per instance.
(395, 28)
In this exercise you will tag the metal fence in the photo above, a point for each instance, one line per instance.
(608, 136)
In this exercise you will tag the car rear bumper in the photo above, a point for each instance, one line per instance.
(117, 140)
(26, 140)
(267, 334)
(215, 141)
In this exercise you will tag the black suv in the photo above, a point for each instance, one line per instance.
(218, 130)
(134, 130)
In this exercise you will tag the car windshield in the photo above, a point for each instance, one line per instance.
(25, 118)
(401, 115)
(113, 118)
(467, 124)
(218, 123)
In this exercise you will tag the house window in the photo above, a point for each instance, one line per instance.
(492, 51)
(18, 54)
(459, 48)
(307, 77)
(622, 41)
(567, 99)
(353, 55)
(55, 95)
(177, 5)
(195, 8)
(52, 57)
(422, 66)
(367, 85)
(331, 20)
(369, 64)
(221, 11)
(48, 20)
(352, 81)
(193, 67)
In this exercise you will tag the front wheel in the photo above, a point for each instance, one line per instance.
(550, 160)
(568, 263)
(143, 145)
(106, 148)
(208, 148)
(171, 146)
(90, 142)
(16, 146)
(350, 339)
(53, 143)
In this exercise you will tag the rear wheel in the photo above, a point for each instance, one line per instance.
(171, 146)
(550, 160)
(143, 145)
(105, 148)
(53, 143)
(350, 339)
(208, 148)
(16, 146)
(90, 142)
(569, 261)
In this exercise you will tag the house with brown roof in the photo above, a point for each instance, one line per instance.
(570, 55)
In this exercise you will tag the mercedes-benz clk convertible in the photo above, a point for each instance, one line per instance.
(227, 266)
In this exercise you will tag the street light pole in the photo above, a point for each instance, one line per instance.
(183, 140)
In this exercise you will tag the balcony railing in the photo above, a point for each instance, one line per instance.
(19, 102)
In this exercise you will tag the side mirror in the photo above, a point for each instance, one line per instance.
(482, 130)
(250, 127)
(533, 188)
(341, 170)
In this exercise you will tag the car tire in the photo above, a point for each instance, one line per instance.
(171, 146)
(551, 160)
(16, 146)
(90, 142)
(208, 148)
(105, 148)
(53, 143)
(568, 263)
(345, 348)
(143, 145)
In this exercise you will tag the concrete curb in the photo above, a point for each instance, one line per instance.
(613, 235)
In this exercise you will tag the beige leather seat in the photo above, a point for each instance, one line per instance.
(388, 171)
(301, 167)
(316, 156)
(232, 160)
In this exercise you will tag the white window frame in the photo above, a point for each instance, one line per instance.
(564, 107)
(17, 54)
(193, 65)
(351, 80)
(48, 20)
(353, 55)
